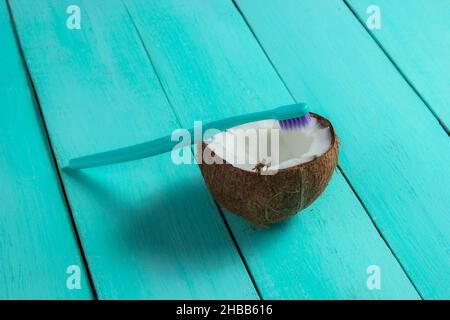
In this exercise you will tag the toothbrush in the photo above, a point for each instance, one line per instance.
(290, 117)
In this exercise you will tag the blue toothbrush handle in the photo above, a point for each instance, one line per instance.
(165, 144)
(154, 147)
(135, 152)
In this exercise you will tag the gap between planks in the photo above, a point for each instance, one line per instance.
(52, 152)
(230, 232)
(390, 58)
(338, 166)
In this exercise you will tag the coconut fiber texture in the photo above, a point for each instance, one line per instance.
(268, 199)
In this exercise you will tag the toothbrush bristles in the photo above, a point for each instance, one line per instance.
(296, 123)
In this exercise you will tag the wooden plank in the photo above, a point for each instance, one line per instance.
(149, 228)
(416, 36)
(37, 242)
(393, 151)
(212, 67)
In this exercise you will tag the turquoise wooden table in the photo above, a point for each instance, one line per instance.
(80, 76)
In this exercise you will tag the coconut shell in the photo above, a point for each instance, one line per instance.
(268, 199)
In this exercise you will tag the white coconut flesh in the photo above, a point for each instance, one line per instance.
(264, 147)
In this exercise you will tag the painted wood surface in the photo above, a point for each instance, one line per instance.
(393, 151)
(37, 241)
(211, 66)
(416, 35)
(149, 228)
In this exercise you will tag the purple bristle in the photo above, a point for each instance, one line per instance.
(296, 123)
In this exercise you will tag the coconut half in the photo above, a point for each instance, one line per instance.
(267, 174)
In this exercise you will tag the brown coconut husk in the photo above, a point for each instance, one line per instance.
(268, 199)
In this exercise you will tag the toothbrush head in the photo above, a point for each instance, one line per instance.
(293, 116)
(295, 123)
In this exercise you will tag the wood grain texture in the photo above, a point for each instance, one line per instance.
(416, 35)
(37, 242)
(212, 67)
(393, 151)
(149, 228)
